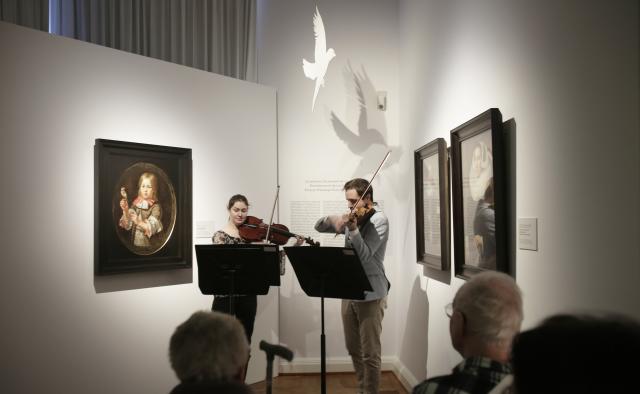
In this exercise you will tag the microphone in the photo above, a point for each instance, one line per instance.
(278, 350)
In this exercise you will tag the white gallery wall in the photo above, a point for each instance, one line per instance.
(345, 136)
(64, 330)
(566, 74)
(565, 77)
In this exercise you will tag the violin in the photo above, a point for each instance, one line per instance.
(362, 214)
(255, 230)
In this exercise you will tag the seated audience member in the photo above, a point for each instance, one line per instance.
(208, 353)
(577, 354)
(485, 315)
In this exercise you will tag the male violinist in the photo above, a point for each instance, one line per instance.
(367, 231)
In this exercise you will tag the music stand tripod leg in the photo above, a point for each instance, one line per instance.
(232, 295)
(323, 356)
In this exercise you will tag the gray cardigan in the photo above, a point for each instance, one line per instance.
(370, 244)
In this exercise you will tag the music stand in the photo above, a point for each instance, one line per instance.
(328, 272)
(237, 269)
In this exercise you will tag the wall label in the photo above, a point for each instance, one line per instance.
(528, 233)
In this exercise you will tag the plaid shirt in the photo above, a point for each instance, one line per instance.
(474, 375)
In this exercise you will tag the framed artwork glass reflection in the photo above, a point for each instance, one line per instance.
(478, 195)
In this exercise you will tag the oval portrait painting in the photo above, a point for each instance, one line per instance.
(144, 208)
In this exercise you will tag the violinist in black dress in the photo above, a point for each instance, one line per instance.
(245, 306)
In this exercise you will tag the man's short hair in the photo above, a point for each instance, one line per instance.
(208, 346)
(359, 185)
(492, 305)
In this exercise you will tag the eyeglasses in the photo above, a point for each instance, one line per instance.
(448, 310)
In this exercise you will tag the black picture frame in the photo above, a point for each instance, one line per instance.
(156, 231)
(433, 228)
(479, 201)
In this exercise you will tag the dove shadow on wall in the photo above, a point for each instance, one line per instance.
(368, 139)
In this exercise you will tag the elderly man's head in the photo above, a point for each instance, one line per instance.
(487, 313)
(209, 346)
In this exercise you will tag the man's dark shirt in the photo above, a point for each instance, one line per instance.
(474, 375)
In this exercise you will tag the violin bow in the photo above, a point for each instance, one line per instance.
(372, 178)
(272, 211)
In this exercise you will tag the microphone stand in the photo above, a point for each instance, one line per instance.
(271, 351)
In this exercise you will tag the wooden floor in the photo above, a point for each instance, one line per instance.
(337, 383)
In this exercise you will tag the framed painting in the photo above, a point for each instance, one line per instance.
(431, 167)
(142, 211)
(479, 204)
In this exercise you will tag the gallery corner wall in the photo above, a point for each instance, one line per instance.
(320, 148)
(62, 328)
(565, 75)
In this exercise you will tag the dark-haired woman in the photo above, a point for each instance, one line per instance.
(245, 306)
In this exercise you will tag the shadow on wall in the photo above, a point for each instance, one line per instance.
(290, 301)
(368, 139)
(509, 138)
(414, 346)
(142, 280)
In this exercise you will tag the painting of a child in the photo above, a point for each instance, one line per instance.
(144, 208)
(144, 217)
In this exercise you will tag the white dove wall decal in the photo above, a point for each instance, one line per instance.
(317, 70)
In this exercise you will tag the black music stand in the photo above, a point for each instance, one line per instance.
(328, 272)
(237, 269)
